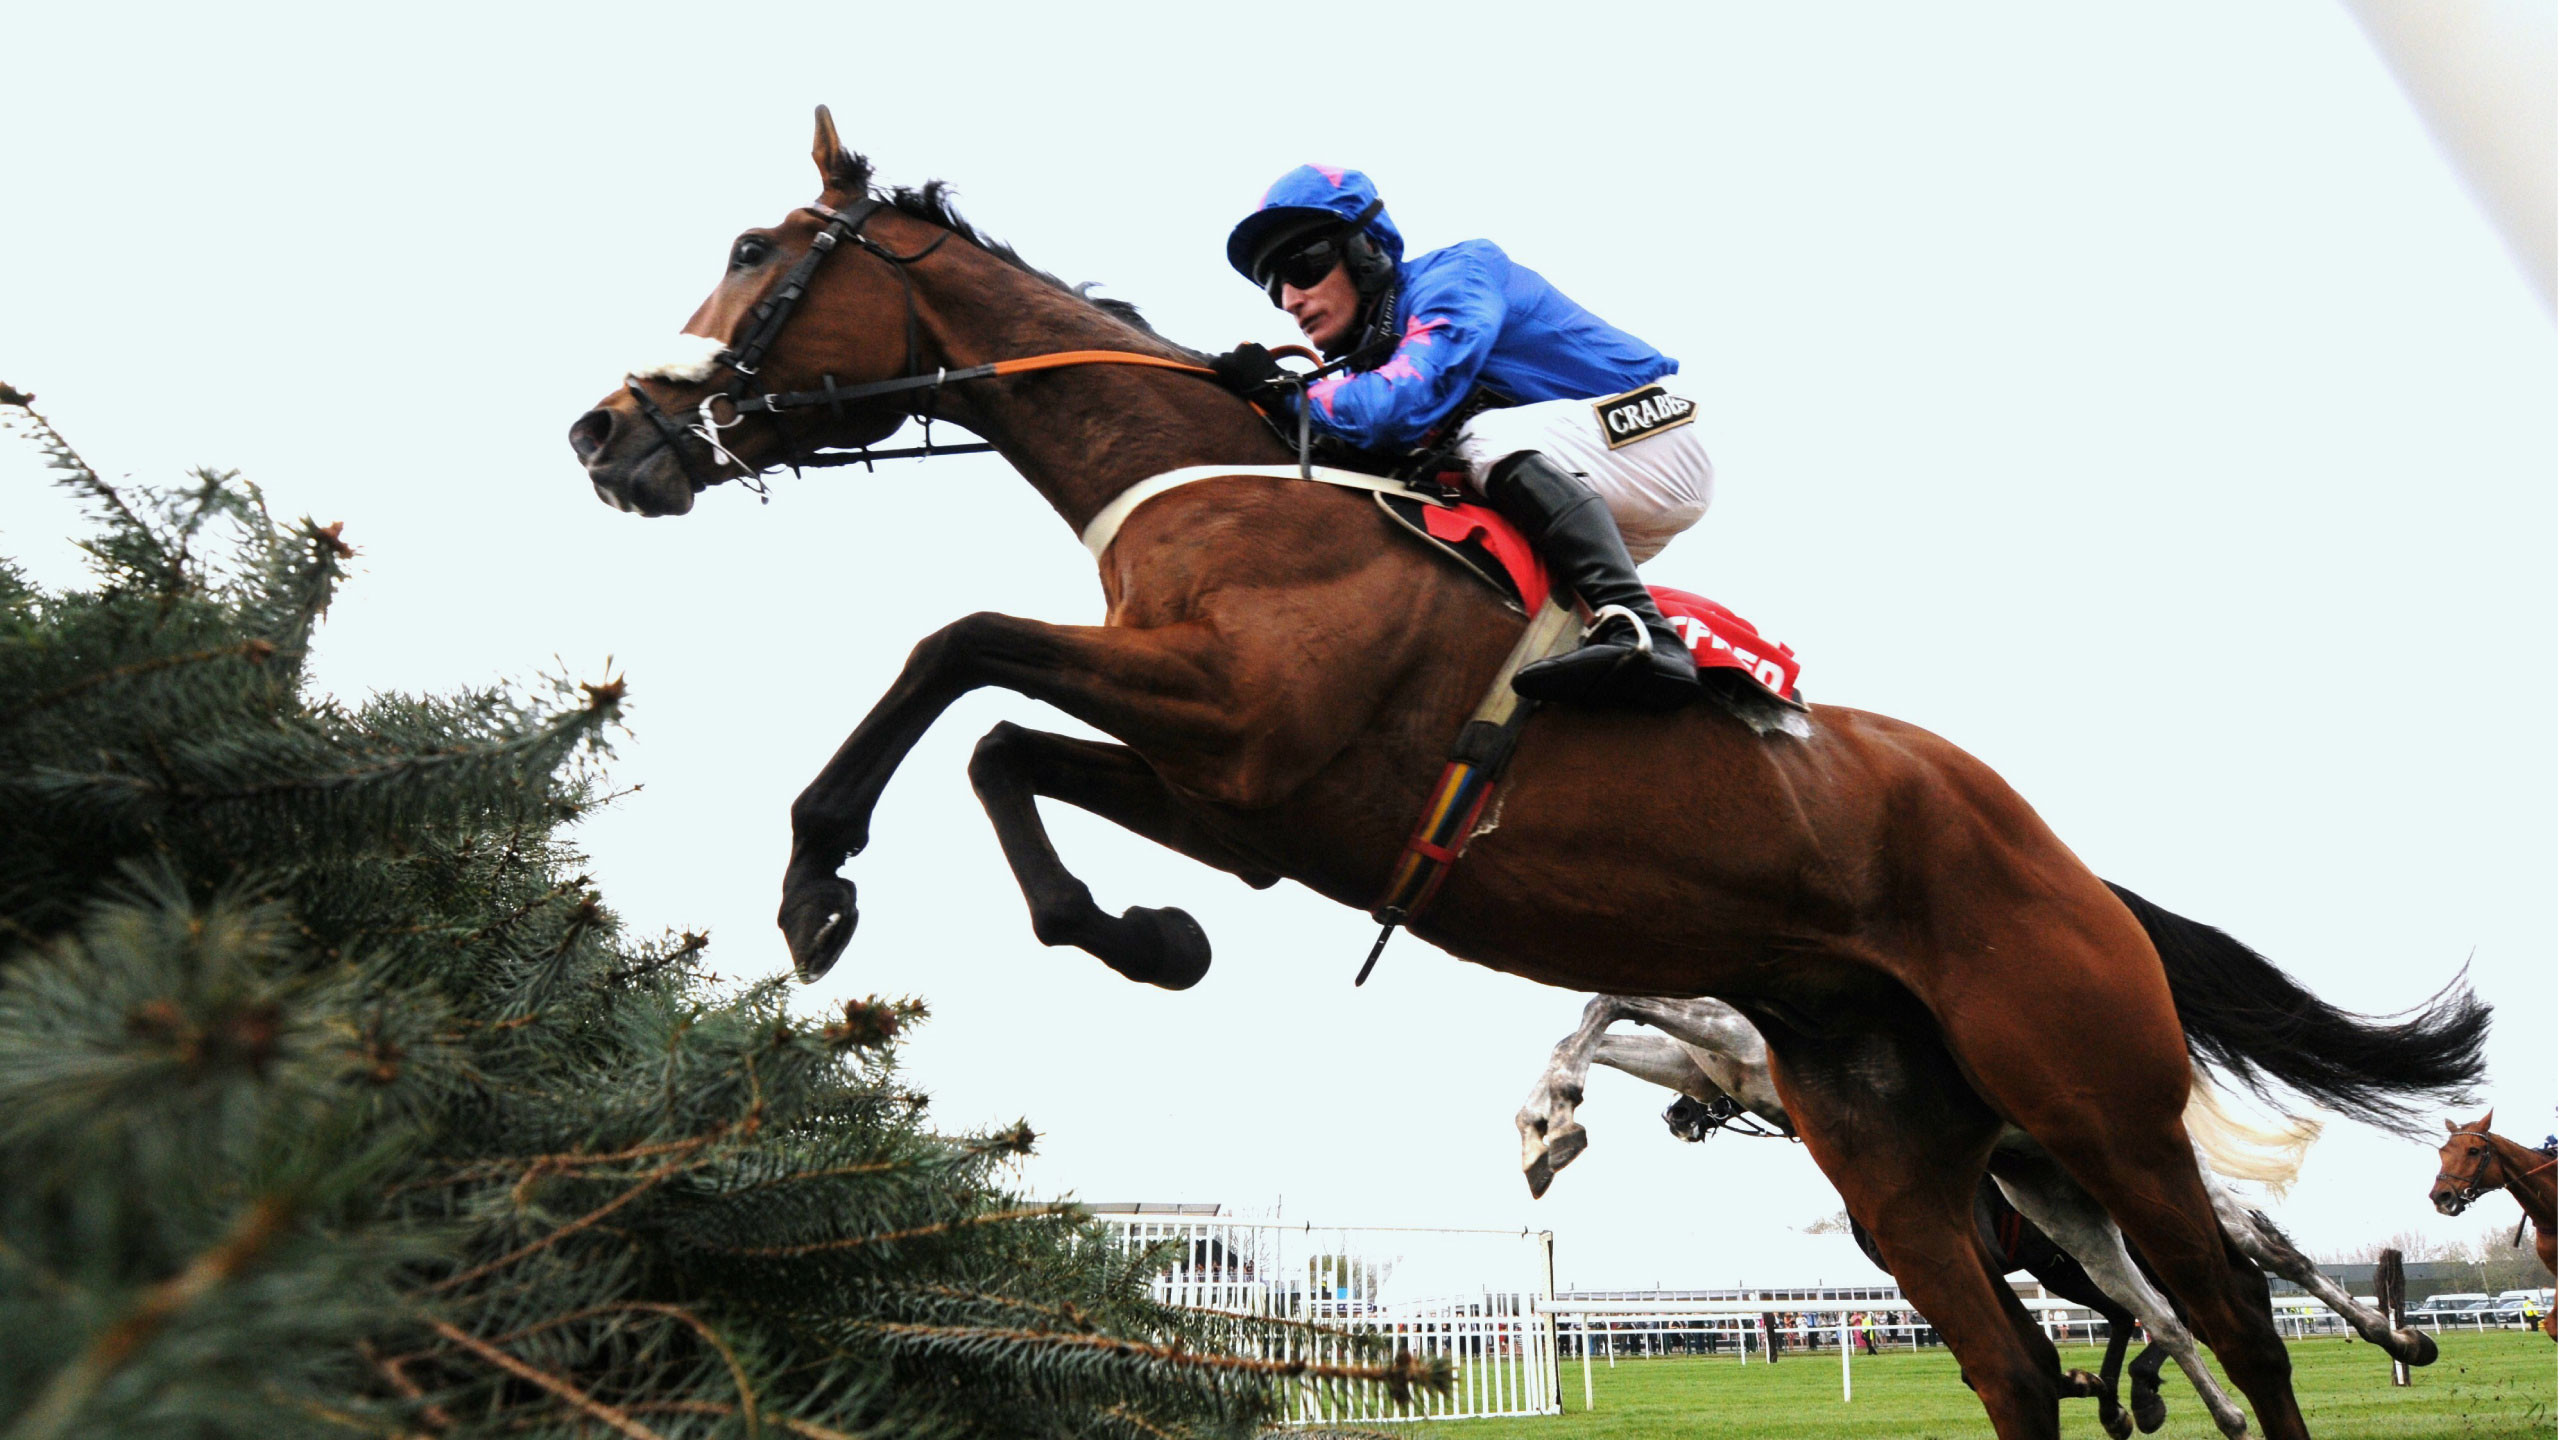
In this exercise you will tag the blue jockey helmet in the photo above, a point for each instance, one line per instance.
(1305, 203)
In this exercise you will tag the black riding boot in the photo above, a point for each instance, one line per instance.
(1572, 531)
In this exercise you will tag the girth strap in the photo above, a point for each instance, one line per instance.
(1475, 768)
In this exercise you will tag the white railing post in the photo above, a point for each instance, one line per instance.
(1547, 1324)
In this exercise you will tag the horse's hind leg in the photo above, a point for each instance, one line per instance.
(1898, 1133)
(2159, 1202)
(2052, 1264)
(2076, 1223)
(1013, 766)
(2261, 1240)
(2063, 1020)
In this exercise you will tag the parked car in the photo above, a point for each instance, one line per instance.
(2458, 1307)
(2512, 1306)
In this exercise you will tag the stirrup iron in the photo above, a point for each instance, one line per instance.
(1635, 622)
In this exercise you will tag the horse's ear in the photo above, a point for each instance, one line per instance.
(2485, 1119)
(2452, 1129)
(839, 167)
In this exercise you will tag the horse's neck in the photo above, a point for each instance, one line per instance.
(1080, 435)
(2530, 1177)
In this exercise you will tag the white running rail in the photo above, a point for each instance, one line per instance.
(1473, 1296)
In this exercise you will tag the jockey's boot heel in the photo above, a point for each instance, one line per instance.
(1631, 658)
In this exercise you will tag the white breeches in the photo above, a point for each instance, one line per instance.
(1655, 487)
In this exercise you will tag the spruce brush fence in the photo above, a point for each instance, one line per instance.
(336, 1101)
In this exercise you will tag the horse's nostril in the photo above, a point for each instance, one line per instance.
(587, 437)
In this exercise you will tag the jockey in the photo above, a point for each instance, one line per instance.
(1557, 417)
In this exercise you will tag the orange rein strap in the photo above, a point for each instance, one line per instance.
(1059, 360)
(834, 396)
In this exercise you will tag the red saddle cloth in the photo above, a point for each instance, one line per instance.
(1717, 637)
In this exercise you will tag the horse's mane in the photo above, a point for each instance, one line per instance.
(931, 203)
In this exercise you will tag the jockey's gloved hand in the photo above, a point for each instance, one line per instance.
(1248, 370)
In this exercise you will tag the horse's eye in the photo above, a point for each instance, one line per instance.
(750, 250)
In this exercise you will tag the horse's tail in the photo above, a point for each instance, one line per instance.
(2239, 1147)
(2252, 1021)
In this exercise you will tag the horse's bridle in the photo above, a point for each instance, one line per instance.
(745, 360)
(745, 357)
(2468, 1188)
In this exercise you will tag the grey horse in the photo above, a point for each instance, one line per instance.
(1714, 1057)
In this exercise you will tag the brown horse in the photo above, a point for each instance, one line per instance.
(1287, 671)
(2472, 1163)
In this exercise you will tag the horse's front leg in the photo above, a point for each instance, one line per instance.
(1013, 766)
(1549, 1136)
(2142, 1388)
(1164, 684)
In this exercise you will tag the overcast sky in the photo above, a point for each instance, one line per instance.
(2130, 393)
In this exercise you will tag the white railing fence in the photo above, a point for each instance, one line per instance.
(1471, 1296)
(1761, 1329)
(1486, 1301)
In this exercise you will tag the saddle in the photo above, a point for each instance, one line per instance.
(1494, 551)
(1749, 675)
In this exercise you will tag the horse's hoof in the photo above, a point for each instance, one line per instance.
(817, 921)
(1540, 1175)
(2117, 1424)
(1170, 949)
(2150, 1412)
(1565, 1143)
(2081, 1385)
(2420, 1345)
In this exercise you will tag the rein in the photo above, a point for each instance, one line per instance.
(1726, 1115)
(745, 359)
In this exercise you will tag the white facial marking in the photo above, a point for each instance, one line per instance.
(687, 357)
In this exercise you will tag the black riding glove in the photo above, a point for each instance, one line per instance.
(1248, 370)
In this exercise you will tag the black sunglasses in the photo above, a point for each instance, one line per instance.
(1304, 267)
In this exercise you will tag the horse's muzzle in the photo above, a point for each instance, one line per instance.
(632, 468)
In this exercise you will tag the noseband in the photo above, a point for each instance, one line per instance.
(745, 360)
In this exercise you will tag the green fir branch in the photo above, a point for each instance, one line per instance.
(76, 474)
(255, 651)
(891, 1237)
(257, 1228)
(1403, 1376)
(546, 1178)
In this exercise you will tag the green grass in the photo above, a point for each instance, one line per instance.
(2485, 1386)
